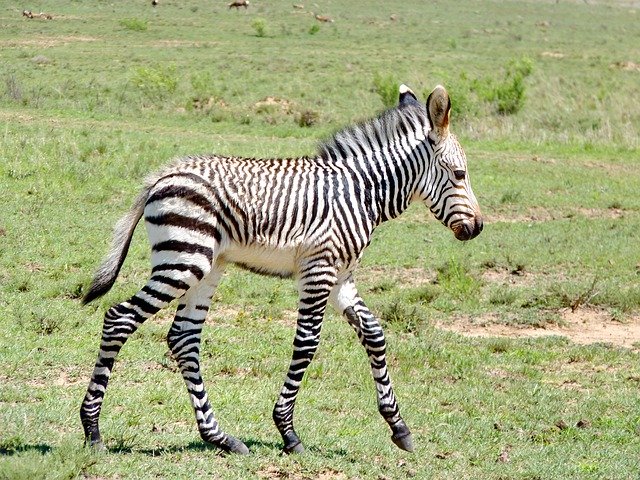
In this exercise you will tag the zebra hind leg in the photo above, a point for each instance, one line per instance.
(120, 321)
(184, 342)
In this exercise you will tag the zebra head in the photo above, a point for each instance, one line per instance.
(445, 187)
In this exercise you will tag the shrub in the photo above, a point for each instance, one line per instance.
(387, 89)
(509, 94)
(315, 28)
(260, 26)
(157, 84)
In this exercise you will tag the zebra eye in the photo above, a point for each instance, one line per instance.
(459, 174)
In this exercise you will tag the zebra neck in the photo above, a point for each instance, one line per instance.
(383, 181)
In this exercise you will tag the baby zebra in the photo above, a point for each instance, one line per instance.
(309, 218)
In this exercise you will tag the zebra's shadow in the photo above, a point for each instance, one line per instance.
(40, 447)
(254, 444)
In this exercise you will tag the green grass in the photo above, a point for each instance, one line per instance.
(93, 100)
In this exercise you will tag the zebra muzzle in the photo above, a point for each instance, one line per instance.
(467, 229)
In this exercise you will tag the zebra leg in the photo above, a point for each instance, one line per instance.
(345, 299)
(120, 322)
(184, 341)
(314, 286)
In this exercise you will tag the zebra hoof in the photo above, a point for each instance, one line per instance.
(95, 445)
(405, 442)
(292, 443)
(297, 448)
(233, 445)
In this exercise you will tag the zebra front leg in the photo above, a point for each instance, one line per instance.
(345, 299)
(184, 342)
(314, 288)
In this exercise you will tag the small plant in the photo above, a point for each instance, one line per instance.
(315, 28)
(134, 24)
(260, 27)
(157, 84)
(387, 89)
(13, 88)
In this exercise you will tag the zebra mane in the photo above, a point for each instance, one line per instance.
(374, 134)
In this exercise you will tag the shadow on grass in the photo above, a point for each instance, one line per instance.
(199, 446)
(41, 448)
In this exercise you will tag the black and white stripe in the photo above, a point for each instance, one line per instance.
(309, 218)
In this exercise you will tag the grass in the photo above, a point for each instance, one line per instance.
(96, 98)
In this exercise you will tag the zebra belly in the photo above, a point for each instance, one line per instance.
(280, 262)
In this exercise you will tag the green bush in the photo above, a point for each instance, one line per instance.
(260, 27)
(387, 89)
(508, 96)
(157, 84)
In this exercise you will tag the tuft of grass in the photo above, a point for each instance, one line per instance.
(134, 24)
(455, 278)
(307, 118)
(401, 317)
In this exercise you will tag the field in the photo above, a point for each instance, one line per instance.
(514, 356)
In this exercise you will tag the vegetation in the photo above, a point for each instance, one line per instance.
(545, 105)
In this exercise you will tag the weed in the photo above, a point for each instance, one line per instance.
(259, 25)
(387, 89)
(315, 28)
(134, 24)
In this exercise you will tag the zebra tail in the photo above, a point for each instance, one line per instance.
(106, 275)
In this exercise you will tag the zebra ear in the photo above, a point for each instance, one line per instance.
(438, 111)
(406, 95)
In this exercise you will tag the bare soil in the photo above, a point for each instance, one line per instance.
(584, 326)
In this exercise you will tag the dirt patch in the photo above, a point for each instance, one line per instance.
(273, 472)
(46, 42)
(268, 104)
(553, 54)
(627, 66)
(584, 326)
(542, 214)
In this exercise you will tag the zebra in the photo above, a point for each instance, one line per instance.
(309, 218)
